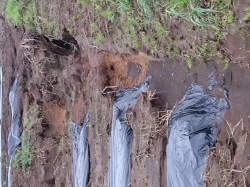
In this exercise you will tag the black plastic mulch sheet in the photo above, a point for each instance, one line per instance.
(14, 133)
(122, 136)
(193, 131)
(81, 163)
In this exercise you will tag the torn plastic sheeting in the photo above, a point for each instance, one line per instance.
(80, 153)
(193, 131)
(212, 81)
(14, 134)
(122, 136)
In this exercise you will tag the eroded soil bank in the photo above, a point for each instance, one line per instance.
(61, 88)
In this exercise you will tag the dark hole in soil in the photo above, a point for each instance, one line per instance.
(41, 134)
(232, 146)
(61, 43)
(107, 82)
(158, 103)
(45, 124)
(51, 181)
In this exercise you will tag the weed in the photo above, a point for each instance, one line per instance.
(94, 27)
(243, 33)
(109, 15)
(124, 5)
(160, 30)
(176, 53)
(229, 18)
(26, 13)
(13, 12)
(52, 26)
(144, 8)
(132, 22)
(189, 62)
(30, 17)
(226, 63)
(199, 16)
(99, 37)
(247, 14)
(24, 156)
(83, 2)
(193, 13)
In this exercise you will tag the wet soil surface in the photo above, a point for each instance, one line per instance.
(77, 85)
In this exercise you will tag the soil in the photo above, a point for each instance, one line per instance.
(62, 88)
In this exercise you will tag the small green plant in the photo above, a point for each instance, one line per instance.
(189, 59)
(175, 52)
(109, 15)
(83, 2)
(247, 14)
(30, 17)
(99, 37)
(145, 9)
(226, 63)
(94, 27)
(52, 26)
(200, 16)
(229, 18)
(124, 5)
(160, 30)
(24, 156)
(13, 12)
(243, 33)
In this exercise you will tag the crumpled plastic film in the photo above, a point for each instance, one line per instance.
(14, 133)
(194, 125)
(122, 136)
(81, 163)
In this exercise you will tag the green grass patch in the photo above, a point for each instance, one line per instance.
(24, 155)
(30, 17)
(160, 30)
(145, 25)
(192, 11)
(26, 13)
(13, 12)
(247, 14)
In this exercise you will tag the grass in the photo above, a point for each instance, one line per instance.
(161, 32)
(202, 17)
(139, 25)
(26, 13)
(13, 12)
(24, 156)
(30, 17)
(247, 14)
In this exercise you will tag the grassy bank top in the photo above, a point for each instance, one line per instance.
(191, 30)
